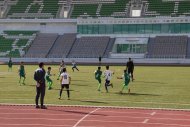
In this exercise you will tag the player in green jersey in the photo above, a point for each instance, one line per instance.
(98, 74)
(48, 79)
(126, 78)
(22, 73)
(10, 64)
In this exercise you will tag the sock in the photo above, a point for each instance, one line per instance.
(123, 87)
(99, 86)
(68, 93)
(60, 92)
(19, 80)
(51, 83)
(23, 80)
(58, 76)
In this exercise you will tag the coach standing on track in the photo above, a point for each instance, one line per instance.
(39, 77)
(130, 68)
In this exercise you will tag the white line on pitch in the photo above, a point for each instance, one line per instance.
(85, 117)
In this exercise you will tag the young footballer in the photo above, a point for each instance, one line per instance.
(48, 79)
(65, 82)
(108, 75)
(98, 74)
(22, 73)
(74, 66)
(126, 78)
(10, 64)
(62, 65)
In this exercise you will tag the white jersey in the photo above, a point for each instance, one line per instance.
(74, 64)
(65, 78)
(108, 74)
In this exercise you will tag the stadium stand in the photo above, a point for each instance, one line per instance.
(184, 8)
(62, 46)
(110, 9)
(167, 47)
(160, 7)
(5, 44)
(41, 45)
(15, 43)
(15, 32)
(109, 47)
(188, 48)
(89, 47)
(34, 9)
(100, 9)
(84, 9)
(93, 8)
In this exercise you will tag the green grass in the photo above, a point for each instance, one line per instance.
(154, 87)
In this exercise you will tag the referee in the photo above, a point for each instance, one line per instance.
(39, 77)
(130, 68)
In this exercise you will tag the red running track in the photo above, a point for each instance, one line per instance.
(54, 116)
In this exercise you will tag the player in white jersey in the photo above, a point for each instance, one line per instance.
(65, 82)
(74, 66)
(62, 65)
(108, 75)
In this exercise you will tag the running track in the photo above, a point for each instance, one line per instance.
(76, 116)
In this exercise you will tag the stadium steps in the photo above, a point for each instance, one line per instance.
(52, 46)
(167, 47)
(188, 48)
(109, 47)
(41, 45)
(89, 47)
(62, 46)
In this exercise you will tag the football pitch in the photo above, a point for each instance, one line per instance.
(154, 87)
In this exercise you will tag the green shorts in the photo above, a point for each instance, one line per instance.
(22, 75)
(99, 80)
(48, 80)
(126, 83)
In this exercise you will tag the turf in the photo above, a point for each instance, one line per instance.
(154, 87)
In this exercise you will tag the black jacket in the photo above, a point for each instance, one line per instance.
(39, 76)
(130, 65)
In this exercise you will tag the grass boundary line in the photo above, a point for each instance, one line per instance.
(90, 106)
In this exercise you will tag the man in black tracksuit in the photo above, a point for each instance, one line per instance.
(39, 77)
(130, 68)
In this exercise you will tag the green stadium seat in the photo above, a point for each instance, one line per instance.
(163, 8)
(89, 9)
(30, 9)
(29, 33)
(16, 43)
(109, 9)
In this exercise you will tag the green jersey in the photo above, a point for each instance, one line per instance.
(126, 78)
(98, 74)
(10, 63)
(48, 74)
(22, 70)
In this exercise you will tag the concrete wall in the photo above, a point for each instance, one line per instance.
(59, 26)
(94, 61)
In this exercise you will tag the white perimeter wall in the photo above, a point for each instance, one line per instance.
(59, 26)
